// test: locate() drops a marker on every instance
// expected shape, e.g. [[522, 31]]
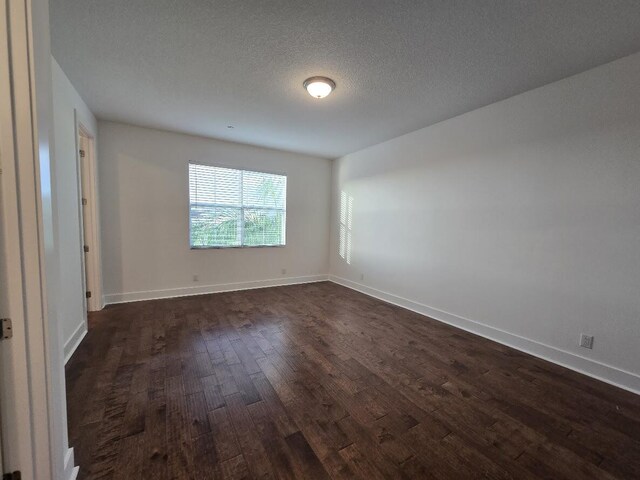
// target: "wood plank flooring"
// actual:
[[317, 381]]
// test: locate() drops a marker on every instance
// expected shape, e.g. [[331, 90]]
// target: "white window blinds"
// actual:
[[236, 208], [346, 224]]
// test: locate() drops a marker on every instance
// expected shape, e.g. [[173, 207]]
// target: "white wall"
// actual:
[[519, 221], [143, 183], [67, 107]]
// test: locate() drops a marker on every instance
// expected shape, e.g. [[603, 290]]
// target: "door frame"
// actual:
[[32, 392], [24, 400], [90, 232], [15, 392]]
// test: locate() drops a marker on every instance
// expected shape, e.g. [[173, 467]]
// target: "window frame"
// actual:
[[243, 169], [345, 226]]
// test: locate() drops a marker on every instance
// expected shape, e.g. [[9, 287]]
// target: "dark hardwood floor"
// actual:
[[317, 381]]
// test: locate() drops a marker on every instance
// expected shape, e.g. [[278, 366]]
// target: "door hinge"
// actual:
[[6, 329], [81, 153], [12, 476], [84, 201], [86, 249], [88, 294]]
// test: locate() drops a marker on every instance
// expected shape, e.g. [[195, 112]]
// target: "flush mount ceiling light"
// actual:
[[319, 87]]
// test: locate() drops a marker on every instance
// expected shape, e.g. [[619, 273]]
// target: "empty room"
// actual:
[[350, 239]]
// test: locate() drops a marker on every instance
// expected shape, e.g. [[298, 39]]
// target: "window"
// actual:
[[236, 208], [346, 215]]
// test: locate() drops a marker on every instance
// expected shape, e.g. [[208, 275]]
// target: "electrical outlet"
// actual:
[[284, 271], [195, 278], [586, 341]]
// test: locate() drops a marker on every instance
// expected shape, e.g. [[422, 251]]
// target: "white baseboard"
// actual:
[[100, 305], [204, 289], [72, 343], [606, 373], [70, 470], [73, 475]]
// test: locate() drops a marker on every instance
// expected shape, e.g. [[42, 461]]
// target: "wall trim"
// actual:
[[72, 343], [70, 471], [592, 368], [204, 289]]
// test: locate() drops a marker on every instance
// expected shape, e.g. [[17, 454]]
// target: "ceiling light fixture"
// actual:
[[319, 87]]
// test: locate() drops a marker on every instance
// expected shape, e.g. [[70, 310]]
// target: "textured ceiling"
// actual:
[[197, 66]]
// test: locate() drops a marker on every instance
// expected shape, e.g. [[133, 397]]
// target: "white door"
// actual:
[[25, 196], [85, 220], [88, 217], [14, 388]]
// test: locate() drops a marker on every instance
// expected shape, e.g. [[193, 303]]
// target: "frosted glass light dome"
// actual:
[[319, 87]]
